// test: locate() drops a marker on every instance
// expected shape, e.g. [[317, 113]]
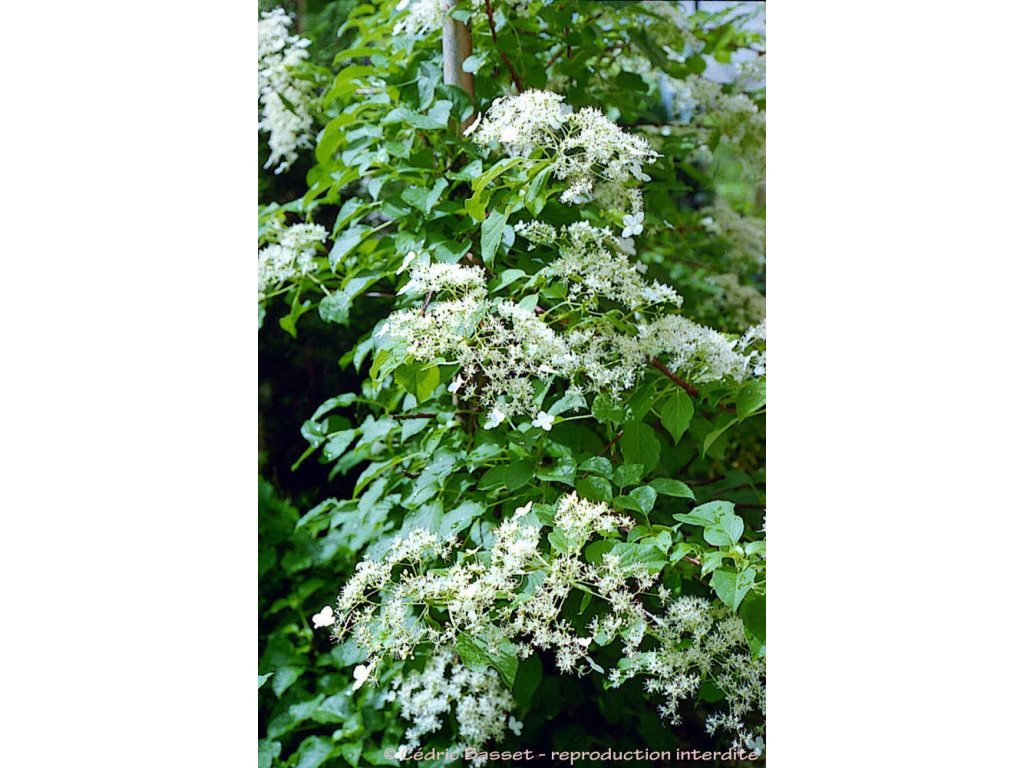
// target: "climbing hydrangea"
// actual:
[[511, 596]]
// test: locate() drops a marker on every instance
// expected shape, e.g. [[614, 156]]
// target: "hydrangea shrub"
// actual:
[[553, 460]]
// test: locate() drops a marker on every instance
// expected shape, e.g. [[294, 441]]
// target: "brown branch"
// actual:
[[504, 57], [709, 481], [554, 58], [661, 367], [688, 387], [414, 416], [472, 260], [612, 442]]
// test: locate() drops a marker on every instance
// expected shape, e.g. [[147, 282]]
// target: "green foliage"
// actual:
[[411, 446]]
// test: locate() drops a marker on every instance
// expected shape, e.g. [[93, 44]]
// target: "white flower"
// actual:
[[360, 673], [544, 421], [516, 726], [457, 382], [523, 511], [406, 262], [632, 224], [494, 419], [325, 618], [755, 745]]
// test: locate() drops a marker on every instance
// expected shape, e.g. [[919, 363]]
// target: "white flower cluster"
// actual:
[[745, 233], [594, 261], [482, 705], [698, 640], [759, 357], [292, 255], [426, 16], [502, 349], [741, 303], [289, 127], [751, 75], [734, 115], [584, 147], [703, 353], [427, 277], [514, 592], [505, 343]]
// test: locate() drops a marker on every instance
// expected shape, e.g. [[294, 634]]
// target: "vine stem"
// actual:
[[504, 56], [661, 367]]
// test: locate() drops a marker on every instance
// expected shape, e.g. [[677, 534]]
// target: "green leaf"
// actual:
[[378, 363], [595, 488], [721, 426], [626, 503], [559, 541], [731, 586], [726, 531], [608, 409], [628, 474], [640, 445], [527, 679], [468, 173], [492, 478], [435, 119], [751, 398], [345, 244], [418, 381], [562, 471], [753, 613], [264, 678], [412, 427], [597, 464], [284, 678], [473, 63], [351, 752], [314, 751], [490, 235], [335, 307], [707, 514], [460, 518], [676, 414], [597, 549], [631, 554], [476, 206], [518, 473], [645, 496], [489, 649], [670, 487], [352, 207], [422, 198], [507, 277], [269, 751]]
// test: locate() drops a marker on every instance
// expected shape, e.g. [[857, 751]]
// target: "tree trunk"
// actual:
[[456, 46]]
